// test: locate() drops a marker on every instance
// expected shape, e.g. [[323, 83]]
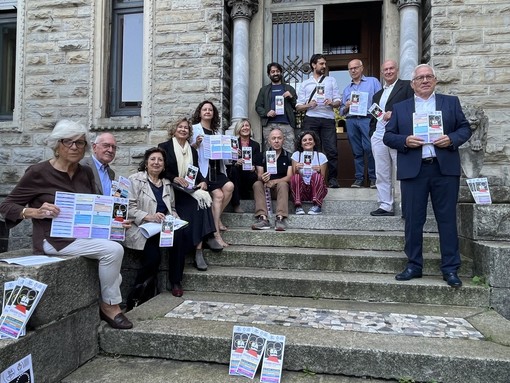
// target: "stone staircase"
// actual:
[[328, 285]]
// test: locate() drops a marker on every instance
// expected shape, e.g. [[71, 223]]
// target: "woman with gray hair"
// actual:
[[34, 196]]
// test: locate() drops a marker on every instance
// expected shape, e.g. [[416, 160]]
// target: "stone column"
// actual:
[[242, 12], [409, 33]]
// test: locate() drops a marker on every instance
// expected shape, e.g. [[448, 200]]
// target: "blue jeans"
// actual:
[[357, 131]]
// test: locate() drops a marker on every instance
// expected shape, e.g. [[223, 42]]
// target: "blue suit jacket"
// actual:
[[400, 126]]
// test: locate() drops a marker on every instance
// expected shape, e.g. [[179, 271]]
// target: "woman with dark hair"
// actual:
[[206, 121], [151, 199], [192, 206], [242, 179], [308, 170], [34, 198]]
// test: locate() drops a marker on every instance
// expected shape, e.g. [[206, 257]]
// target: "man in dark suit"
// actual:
[[104, 149], [429, 169], [394, 91]]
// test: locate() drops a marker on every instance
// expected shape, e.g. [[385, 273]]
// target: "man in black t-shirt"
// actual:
[[277, 184]]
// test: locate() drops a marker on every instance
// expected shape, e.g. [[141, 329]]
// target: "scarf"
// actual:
[[184, 157]]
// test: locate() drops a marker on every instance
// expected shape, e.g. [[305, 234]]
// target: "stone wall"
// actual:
[[62, 65], [467, 41]]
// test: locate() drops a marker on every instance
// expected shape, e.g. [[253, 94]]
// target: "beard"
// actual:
[[276, 78], [320, 71]]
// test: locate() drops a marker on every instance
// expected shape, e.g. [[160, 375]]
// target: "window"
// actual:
[[125, 90], [293, 40], [7, 63]]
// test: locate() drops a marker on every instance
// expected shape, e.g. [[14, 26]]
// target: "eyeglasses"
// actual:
[[68, 143], [420, 79], [108, 146], [355, 67]]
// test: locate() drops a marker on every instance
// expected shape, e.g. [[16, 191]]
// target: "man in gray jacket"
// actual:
[[276, 105], [104, 149]]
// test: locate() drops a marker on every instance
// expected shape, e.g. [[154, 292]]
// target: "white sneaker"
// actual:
[[299, 210], [315, 210]]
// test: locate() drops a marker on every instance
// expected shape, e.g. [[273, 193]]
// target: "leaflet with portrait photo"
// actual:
[[252, 353], [278, 105], [359, 103], [376, 111], [271, 167], [191, 175], [479, 188], [272, 363], [240, 335], [247, 158], [307, 163]]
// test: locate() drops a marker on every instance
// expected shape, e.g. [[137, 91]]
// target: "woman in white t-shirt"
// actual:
[[308, 170]]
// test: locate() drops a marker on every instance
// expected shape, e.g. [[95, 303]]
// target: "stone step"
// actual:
[[385, 341], [128, 369], [327, 239], [359, 261], [370, 287], [330, 222]]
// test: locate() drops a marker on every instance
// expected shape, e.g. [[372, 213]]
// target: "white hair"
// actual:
[[413, 75], [67, 129]]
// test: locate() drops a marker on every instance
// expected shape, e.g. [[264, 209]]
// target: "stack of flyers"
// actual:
[[273, 359], [376, 111], [11, 289], [191, 175], [479, 188], [19, 372], [247, 158], [271, 161], [19, 306], [278, 105], [307, 163], [252, 353]]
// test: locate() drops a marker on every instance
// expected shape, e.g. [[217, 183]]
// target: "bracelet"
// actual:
[[23, 213]]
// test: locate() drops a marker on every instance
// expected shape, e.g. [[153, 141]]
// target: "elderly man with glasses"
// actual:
[[358, 124], [428, 164], [104, 148]]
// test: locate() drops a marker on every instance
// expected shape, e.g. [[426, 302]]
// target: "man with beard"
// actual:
[[271, 116], [317, 97], [358, 125], [104, 148]]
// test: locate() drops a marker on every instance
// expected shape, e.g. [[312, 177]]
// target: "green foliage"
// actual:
[[308, 372], [479, 281], [406, 379]]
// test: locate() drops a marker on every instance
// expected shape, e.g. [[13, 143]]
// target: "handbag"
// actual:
[[300, 115]]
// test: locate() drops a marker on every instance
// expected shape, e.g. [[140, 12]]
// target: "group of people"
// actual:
[[161, 187]]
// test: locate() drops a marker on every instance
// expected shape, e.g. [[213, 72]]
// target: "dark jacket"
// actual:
[[400, 126], [401, 91], [263, 104]]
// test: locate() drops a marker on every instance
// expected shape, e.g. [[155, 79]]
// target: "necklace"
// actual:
[[156, 183]]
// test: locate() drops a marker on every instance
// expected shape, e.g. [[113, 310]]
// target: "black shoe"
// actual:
[[381, 213], [452, 279], [333, 183], [407, 275]]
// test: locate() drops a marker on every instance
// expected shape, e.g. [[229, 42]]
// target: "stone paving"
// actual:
[[341, 320]]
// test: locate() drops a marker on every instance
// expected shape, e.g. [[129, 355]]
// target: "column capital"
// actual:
[[405, 3], [243, 8]]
